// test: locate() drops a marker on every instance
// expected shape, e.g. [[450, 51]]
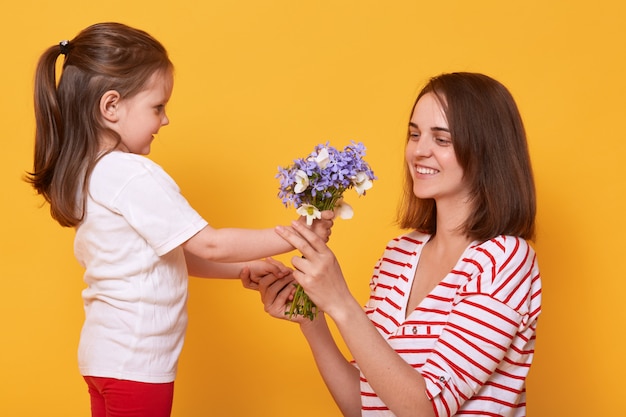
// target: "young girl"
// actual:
[[450, 324], [136, 235]]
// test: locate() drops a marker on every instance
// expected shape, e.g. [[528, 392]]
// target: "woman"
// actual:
[[450, 324]]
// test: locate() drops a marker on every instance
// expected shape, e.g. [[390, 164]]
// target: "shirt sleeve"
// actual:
[[150, 201], [476, 339], [488, 314]]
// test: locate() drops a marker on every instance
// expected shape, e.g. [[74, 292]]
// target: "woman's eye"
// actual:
[[443, 141]]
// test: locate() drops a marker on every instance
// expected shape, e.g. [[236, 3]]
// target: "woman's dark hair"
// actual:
[[490, 145], [102, 57]]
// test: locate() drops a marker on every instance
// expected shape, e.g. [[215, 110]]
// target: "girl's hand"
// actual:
[[323, 226], [317, 270], [254, 271]]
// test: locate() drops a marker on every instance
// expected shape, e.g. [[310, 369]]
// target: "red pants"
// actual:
[[118, 398]]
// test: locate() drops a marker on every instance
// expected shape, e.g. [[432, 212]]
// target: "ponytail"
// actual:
[[49, 128]]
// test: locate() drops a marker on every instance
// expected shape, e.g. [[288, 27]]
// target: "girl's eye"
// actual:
[[414, 135], [443, 141]]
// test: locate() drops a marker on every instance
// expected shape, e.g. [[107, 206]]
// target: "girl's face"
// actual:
[[430, 155], [141, 116]]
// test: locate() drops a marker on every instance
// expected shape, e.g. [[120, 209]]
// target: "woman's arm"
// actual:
[[397, 384], [340, 377]]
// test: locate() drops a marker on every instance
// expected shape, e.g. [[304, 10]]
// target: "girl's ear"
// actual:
[[109, 105]]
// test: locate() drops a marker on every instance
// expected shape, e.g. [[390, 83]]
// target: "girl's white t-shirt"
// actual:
[[130, 246]]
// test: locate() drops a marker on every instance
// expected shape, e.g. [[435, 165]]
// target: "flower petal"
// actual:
[[362, 183], [302, 181], [323, 158], [344, 210], [310, 211]]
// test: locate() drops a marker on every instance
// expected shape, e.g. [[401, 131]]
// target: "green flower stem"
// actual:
[[302, 304]]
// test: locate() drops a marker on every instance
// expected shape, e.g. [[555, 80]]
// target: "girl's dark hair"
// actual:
[[102, 57], [490, 145]]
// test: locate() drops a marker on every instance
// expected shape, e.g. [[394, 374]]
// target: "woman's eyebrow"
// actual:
[[434, 129]]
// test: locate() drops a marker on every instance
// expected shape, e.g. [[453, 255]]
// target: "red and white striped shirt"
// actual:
[[472, 338]]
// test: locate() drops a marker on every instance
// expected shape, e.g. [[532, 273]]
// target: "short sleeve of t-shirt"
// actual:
[[147, 197]]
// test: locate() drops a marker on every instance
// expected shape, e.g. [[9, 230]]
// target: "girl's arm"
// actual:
[[397, 384], [240, 245], [202, 268], [340, 377], [235, 245]]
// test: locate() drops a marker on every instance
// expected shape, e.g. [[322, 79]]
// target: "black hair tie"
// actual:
[[64, 46]]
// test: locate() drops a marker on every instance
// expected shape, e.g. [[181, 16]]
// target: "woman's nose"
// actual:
[[421, 147]]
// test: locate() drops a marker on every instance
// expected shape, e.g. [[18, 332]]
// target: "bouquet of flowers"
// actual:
[[317, 183]]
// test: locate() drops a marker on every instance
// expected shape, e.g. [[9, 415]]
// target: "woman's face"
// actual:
[[430, 155]]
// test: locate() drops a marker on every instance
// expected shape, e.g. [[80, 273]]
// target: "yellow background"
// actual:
[[258, 84]]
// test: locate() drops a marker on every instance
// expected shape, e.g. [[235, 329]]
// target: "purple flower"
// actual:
[[321, 178], [317, 183]]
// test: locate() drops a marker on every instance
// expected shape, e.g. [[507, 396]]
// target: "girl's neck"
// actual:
[[109, 143]]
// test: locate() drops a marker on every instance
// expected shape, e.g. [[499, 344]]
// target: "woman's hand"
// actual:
[[317, 270], [276, 295], [276, 290]]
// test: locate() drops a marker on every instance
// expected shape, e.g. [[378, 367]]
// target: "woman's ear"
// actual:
[[109, 103]]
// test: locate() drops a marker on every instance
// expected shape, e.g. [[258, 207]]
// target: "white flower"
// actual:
[[310, 211], [362, 183], [343, 210], [322, 159], [302, 181]]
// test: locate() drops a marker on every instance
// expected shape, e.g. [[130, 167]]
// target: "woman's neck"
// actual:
[[450, 226]]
